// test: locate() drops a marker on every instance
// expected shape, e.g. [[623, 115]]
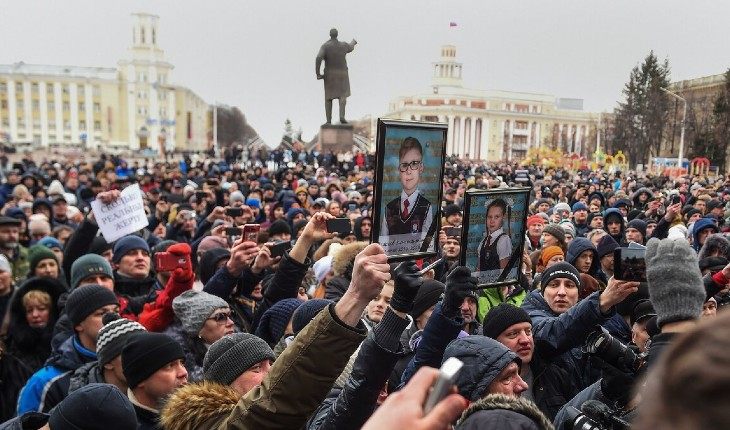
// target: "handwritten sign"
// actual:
[[121, 217]]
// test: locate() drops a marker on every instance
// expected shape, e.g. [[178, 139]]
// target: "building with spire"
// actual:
[[493, 124], [132, 107]]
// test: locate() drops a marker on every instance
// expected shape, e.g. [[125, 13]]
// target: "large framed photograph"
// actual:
[[408, 184], [493, 234]]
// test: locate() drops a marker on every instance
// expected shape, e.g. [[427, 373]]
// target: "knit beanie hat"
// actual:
[[278, 227], [638, 224], [127, 244], [234, 354], [82, 302], [145, 353], [548, 253], [675, 283], [94, 407], [212, 242], [274, 321], [38, 253], [113, 335], [606, 245], [322, 267], [306, 313], [501, 317], [451, 209], [88, 265], [579, 206], [428, 295], [568, 228], [535, 219], [51, 242], [560, 270], [562, 206], [555, 230], [192, 308], [99, 245]]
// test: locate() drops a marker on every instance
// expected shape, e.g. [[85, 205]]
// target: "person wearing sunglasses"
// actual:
[[408, 217], [204, 318]]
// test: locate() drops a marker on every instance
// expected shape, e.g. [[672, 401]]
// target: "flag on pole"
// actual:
[[452, 24]]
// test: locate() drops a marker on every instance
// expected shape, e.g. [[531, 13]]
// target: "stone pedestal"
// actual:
[[335, 137]]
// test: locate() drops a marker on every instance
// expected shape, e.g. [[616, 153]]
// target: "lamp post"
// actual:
[[684, 120]]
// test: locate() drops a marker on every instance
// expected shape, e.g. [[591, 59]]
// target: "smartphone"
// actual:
[[441, 388], [200, 196], [341, 226], [279, 248], [233, 231], [167, 262], [250, 232], [629, 264], [234, 212], [676, 199]]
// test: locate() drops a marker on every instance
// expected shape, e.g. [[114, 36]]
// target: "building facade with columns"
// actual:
[[131, 107], [496, 125]]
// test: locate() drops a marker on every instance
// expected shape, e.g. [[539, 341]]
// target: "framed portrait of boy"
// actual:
[[409, 174], [493, 234]]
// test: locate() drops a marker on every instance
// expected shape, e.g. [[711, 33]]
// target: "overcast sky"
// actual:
[[259, 55]]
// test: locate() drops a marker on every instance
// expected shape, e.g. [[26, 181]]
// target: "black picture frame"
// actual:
[[517, 212], [429, 245]]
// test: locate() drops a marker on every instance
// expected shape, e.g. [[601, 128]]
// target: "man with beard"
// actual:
[[9, 246], [469, 307]]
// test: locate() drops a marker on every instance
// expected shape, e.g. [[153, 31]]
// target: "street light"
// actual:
[[684, 120]]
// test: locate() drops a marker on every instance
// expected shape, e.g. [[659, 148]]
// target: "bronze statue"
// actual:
[[336, 79]]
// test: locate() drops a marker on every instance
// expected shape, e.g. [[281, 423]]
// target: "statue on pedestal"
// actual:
[[335, 76]]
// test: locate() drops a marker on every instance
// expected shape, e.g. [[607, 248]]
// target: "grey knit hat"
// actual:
[[113, 335], [194, 307], [555, 230], [232, 355], [675, 283]]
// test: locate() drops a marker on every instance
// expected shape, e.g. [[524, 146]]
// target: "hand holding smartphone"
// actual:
[[629, 264], [167, 262], [341, 226], [250, 232]]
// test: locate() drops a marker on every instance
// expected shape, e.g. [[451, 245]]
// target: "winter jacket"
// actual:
[[77, 245], [715, 244], [551, 387], [157, 315], [558, 337], [336, 287], [200, 405], [236, 291], [89, 373], [27, 421], [19, 264], [498, 411], [577, 247], [296, 385], [350, 406], [48, 386], [14, 373], [437, 334], [136, 293], [193, 348], [491, 297]]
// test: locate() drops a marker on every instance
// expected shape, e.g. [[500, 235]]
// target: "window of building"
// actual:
[[36, 105], [520, 140], [64, 89], [34, 87], [49, 89], [95, 91], [97, 107], [3, 87], [97, 125], [19, 104], [18, 87], [82, 107], [21, 122], [51, 124], [6, 122], [66, 106], [67, 125], [3, 104], [141, 35], [82, 125], [154, 36], [51, 106], [81, 90], [522, 108], [520, 125]]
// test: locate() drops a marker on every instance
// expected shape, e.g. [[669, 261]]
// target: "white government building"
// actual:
[[495, 125], [131, 107]]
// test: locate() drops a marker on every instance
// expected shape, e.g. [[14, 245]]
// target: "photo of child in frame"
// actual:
[[496, 247]]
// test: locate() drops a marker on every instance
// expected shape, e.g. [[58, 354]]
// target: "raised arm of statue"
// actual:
[[352, 45]]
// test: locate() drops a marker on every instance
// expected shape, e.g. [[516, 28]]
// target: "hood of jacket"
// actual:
[[89, 373], [357, 228], [198, 405], [70, 355], [638, 193], [498, 410], [700, 225], [20, 334], [484, 358], [576, 247], [209, 261], [608, 212], [715, 243]]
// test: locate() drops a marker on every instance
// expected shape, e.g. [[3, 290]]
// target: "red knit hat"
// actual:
[[535, 219]]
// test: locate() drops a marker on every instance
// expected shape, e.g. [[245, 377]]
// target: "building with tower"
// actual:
[[132, 107], [496, 125]]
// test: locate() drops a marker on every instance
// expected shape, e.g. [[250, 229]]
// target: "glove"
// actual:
[[616, 384], [459, 284], [183, 274], [407, 283]]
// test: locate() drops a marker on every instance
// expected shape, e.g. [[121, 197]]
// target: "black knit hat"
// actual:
[[560, 270], [234, 354], [638, 224], [428, 295], [306, 313], [94, 407], [278, 227], [606, 245], [146, 353], [451, 209], [84, 301], [99, 245], [501, 317]]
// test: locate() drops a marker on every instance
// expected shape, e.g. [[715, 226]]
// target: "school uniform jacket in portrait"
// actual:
[[408, 222], [493, 248]]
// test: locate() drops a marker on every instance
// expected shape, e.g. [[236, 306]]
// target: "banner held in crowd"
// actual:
[[123, 216]]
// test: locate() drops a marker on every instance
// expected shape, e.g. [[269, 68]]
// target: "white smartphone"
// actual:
[[441, 388]]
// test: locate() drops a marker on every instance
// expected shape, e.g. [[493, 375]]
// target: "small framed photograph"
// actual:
[[493, 234], [408, 185]]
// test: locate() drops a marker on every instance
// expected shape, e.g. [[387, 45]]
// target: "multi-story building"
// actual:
[[496, 125], [132, 107]]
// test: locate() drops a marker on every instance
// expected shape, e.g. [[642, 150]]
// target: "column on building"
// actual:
[[450, 135], [478, 124], [131, 108], [154, 108], [473, 138], [171, 135], [12, 111], [58, 107], [484, 142], [89, 116], [74, 99], [461, 146], [43, 101], [28, 110], [511, 140]]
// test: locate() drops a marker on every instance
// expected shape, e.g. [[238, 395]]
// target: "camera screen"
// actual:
[[632, 266]]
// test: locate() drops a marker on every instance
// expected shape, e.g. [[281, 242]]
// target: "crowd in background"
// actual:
[[323, 332]]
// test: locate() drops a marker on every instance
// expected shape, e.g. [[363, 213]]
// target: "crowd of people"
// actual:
[[299, 327]]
